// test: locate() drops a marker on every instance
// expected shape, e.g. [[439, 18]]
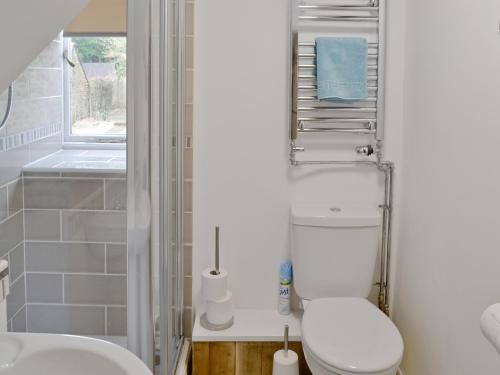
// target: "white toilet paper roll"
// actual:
[[286, 363], [213, 287], [221, 311]]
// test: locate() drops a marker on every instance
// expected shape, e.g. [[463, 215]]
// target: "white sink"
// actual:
[[34, 353]]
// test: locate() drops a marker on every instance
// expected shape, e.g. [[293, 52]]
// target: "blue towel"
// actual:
[[342, 68]]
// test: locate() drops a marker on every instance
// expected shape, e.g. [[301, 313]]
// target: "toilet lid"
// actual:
[[351, 334]]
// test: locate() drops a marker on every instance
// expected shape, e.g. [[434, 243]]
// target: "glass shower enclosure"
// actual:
[[93, 234], [155, 175]]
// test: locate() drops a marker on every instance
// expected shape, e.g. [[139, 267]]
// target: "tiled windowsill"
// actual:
[[81, 161]]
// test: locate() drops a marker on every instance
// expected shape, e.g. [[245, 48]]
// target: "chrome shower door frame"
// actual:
[[154, 162], [140, 320]]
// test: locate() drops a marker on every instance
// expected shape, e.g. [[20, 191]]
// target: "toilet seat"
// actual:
[[351, 336]]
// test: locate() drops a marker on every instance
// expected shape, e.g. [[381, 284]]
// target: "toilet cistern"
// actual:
[[334, 253]]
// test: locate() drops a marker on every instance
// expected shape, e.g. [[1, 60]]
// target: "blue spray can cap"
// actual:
[[286, 271]]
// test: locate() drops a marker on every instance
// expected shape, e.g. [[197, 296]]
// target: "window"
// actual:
[[95, 89]]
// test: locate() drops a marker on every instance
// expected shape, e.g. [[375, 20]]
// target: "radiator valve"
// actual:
[[364, 150]]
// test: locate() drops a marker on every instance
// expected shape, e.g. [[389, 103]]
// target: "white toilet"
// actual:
[[334, 256]]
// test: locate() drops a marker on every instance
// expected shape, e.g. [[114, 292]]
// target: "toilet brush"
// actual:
[[286, 361]]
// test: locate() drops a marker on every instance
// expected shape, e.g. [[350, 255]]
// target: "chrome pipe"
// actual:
[[339, 7], [336, 162], [338, 18], [313, 76], [314, 87], [313, 44], [313, 66], [385, 267], [336, 130], [315, 98], [339, 109], [366, 121], [313, 55]]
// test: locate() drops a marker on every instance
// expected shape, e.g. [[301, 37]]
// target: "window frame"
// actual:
[[69, 139]]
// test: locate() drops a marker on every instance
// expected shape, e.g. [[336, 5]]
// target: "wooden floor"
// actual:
[[240, 358]]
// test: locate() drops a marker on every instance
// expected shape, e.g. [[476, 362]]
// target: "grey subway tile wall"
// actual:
[[42, 225], [95, 289], [16, 262], [16, 300], [50, 193], [4, 207], [15, 196], [12, 162], [61, 257], [94, 226], [67, 319], [12, 249], [19, 321], [33, 131], [116, 194], [76, 253], [116, 259], [116, 321], [11, 233], [44, 288], [64, 234]]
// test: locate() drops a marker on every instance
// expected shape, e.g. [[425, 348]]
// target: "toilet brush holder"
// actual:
[[286, 361]]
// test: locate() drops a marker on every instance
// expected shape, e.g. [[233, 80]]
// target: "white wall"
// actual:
[[449, 260], [240, 148], [242, 178], [26, 28]]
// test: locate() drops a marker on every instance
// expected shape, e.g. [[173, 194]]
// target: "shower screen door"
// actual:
[[155, 193]]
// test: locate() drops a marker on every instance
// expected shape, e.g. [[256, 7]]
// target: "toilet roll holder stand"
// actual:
[[203, 319], [215, 327]]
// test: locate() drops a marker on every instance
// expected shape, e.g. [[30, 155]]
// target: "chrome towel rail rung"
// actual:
[[339, 109], [315, 99], [315, 87], [313, 76], [338, 18], [368, 126], [336, 130], [369, 123], [313, 66], [338, 7], [313, 44], [313, 55]]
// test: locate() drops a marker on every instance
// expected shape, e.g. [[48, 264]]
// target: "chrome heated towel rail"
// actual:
[[308, 20]]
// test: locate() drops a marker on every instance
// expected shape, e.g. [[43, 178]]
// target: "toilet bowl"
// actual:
[[334, 254], [347, 336]]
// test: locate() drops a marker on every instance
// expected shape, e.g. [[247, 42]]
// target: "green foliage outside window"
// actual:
[[103, 50]]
